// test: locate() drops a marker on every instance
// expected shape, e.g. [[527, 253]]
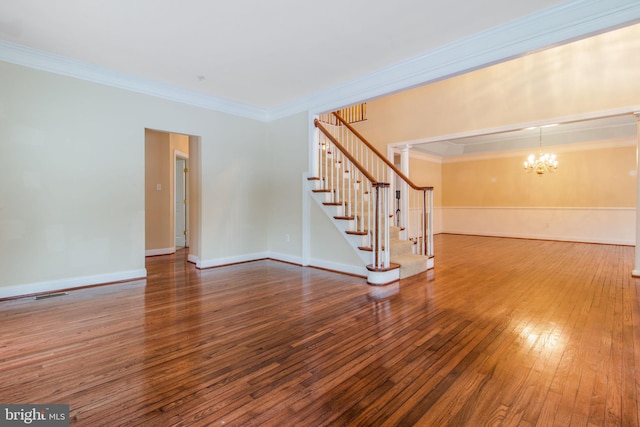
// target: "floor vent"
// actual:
[[58, 294]]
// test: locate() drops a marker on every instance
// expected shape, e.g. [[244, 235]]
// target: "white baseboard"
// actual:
[[192, 259], [74, 282], [341, 268], [555, 237], [326, 265], [286, 258], [163, 251], [218, 262]]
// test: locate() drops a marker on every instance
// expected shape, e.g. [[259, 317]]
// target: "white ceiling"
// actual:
[[271, 54]]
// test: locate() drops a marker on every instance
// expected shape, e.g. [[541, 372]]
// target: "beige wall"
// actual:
[[323, 245], [288, 140], [72, 203]]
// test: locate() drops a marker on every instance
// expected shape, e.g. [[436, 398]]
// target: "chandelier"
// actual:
[[543, 163]]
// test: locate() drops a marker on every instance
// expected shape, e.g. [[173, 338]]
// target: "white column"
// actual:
[[404, 192], [636, 269]]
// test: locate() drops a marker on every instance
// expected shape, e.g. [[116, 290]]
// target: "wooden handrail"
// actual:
[[352, 159], [379, 154]]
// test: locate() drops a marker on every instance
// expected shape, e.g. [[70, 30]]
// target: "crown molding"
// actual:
[[567, 22], [555, 149], [504, 129], [560, 24], [523, 152], [44, 61]]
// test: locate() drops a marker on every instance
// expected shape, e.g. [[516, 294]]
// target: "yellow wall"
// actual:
[[428, 174], [157, 201], [594, 74], [592, 196], [179, 142], [587, 178]]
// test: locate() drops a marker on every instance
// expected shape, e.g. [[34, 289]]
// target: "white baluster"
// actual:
[[336, 176], [327, 157]]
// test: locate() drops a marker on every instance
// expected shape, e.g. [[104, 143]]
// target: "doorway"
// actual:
[[171, 193]]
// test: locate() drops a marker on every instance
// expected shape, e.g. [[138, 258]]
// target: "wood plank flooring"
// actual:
[[502, 332]]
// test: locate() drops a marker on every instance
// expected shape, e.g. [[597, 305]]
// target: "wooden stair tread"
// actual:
[[401, 252], [392, 266]]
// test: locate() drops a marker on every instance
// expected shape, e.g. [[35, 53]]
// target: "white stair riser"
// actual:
[[398, 248]]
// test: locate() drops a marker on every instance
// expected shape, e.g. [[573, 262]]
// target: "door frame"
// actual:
[[178, 155]]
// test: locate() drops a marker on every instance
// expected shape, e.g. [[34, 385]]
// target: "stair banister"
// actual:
[[352, 159], [381, 156], [379, 241], [426, 238]]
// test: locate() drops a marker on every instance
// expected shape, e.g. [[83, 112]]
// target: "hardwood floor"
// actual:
[[503, 332]]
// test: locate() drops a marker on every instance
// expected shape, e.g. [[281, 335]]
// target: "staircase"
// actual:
[[352, 185]]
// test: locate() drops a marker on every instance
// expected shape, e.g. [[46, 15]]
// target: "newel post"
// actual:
[[425, 223], [376, 229], [636, 268], [381, 226]]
